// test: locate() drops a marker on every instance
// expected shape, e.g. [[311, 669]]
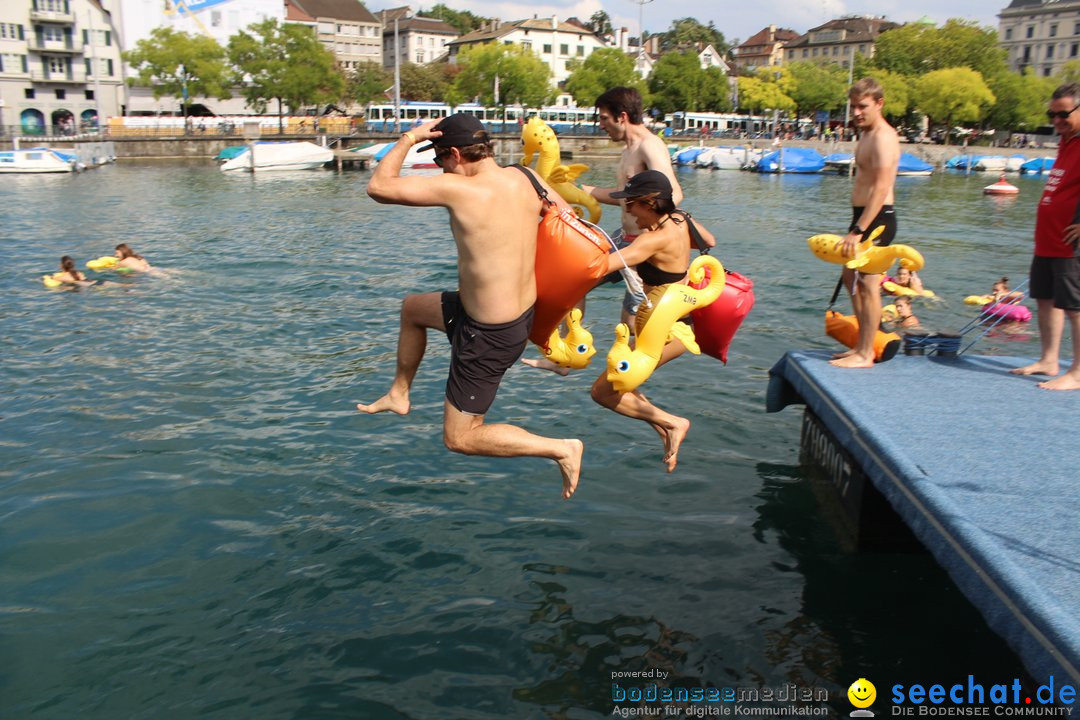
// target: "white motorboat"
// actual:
[[280, 156], [35, 160]]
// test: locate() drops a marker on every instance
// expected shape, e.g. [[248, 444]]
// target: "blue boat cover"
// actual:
[[910, 163], [689, 155], [1037, 165], [796, 160], [984, 474]]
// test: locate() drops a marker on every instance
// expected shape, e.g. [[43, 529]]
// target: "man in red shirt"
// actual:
[[1055, 269]]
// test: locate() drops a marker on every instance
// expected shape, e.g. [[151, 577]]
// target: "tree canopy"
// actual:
[[603, 69], [678, 82], [916, 49], [286, 63], [368, 83], [523, 78], [953, 95], [600, 24], [462, 20], [757, 94], [169, 61], [687, 32]]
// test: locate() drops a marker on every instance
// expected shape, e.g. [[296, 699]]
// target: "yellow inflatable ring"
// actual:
[[628, 369], [978, 299], [51, 281], [106, 262], [576, 349]]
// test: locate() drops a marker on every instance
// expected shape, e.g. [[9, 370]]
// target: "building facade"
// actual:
[[60, 69], [1040, 35], [346, 28], [556, 43], [419, 40], [764, 48], [838, 40]]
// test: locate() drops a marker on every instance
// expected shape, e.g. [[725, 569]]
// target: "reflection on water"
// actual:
[[196, 522]]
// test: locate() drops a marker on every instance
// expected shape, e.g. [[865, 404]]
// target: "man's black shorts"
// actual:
[[479, 354], [886, 217], [1056, 278]]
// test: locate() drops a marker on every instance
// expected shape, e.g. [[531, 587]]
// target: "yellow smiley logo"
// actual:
[[862, 693]]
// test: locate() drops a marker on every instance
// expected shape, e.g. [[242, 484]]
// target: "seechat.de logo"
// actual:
[[862, 694]]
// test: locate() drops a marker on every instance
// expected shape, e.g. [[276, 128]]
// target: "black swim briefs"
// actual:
[[886, 217], [479, 354]]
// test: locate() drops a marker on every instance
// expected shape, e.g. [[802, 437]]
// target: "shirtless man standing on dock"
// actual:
[[493, 215], [877, 155]]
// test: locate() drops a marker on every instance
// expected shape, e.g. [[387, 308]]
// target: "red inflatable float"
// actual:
[[716, 323]]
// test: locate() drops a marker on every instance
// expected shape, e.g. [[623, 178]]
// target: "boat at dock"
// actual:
[[300, 155], [37, 160]]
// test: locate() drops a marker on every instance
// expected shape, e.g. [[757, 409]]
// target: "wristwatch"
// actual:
[[857, 230]]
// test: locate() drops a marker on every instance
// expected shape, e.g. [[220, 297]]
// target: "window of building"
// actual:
[[581, 51], [862, 48], [28, 93], [420, 57], [59, 6], [50, 33], [1046, 72], [564, 49], [12, 63], [56, 66], [814, 52], [61, 94], [89, 68], [89, 94], [109, 67], [526, 44], [1076, 29], [1030, 31], [1027, 53], [836, 50], [547, 49], [1074, 49], [1053, 30], [11, 31], [508, 42], [1008, 33], [806, 52], [847, 49], [1049, 52], [215, 18]]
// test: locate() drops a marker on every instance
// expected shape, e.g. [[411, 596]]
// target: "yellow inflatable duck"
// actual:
[[869, 258], [628, 369], [576, 349], [538, 137]]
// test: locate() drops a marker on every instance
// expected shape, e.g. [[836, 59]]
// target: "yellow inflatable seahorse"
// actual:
[[537, 136], [105, 262], [892, 288], [627, 369], [576, 349], [869, 258]]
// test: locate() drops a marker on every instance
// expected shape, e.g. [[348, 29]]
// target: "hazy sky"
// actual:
[[735, 18]]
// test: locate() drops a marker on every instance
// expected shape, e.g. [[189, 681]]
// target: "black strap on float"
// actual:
[[695, 234], [540, 191]]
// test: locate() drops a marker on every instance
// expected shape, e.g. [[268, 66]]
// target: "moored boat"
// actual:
[[300, 155], [36, 160]]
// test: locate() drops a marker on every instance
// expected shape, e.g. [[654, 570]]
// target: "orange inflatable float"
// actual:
[[845, 328], [716, 323]]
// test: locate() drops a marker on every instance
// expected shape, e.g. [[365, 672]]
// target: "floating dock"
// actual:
[[981, 465]]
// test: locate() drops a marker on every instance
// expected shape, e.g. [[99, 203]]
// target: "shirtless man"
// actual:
[[877, 155], [493, 216]]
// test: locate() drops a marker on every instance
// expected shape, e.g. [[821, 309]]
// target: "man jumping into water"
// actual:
[[877, 155], [493, 216]]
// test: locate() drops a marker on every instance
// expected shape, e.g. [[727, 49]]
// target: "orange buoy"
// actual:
[[845, 328], [1001, 188]]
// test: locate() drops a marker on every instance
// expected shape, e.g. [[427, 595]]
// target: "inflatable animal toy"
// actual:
[[538, 137], [629, 368], [105, 262], [869, 258], [576, 349], [889, 286]]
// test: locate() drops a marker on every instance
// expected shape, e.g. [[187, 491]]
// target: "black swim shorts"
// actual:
[[1058, 279], [479, 354], [886, 217]]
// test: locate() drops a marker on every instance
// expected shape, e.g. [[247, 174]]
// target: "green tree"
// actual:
[[1020, 100], [953, 95], [1069, 73], [170, 62], [687, 32], [756, 94], [815, 86], [678, 82], [603, 69], [462, 20], [423, 82], [897, 89], [286, 63], [523, 78], [917, 48], [368, 83], [600, 24]]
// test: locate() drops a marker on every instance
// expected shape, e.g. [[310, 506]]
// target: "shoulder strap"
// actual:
[[695, 236], [540, 191]]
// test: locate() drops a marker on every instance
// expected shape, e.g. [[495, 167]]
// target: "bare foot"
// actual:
[[1068, 381], [1037, 368], [674, 439], [846, 353], [570, 466], [545, 364], [386, 403], [853, 361]]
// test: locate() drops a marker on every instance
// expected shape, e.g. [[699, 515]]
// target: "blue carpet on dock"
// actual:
[[983, 466]]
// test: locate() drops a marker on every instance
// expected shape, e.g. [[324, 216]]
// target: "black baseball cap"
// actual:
[[647, 182], [458, 130]]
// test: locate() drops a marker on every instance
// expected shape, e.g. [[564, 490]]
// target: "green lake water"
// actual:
[[194, 521]]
